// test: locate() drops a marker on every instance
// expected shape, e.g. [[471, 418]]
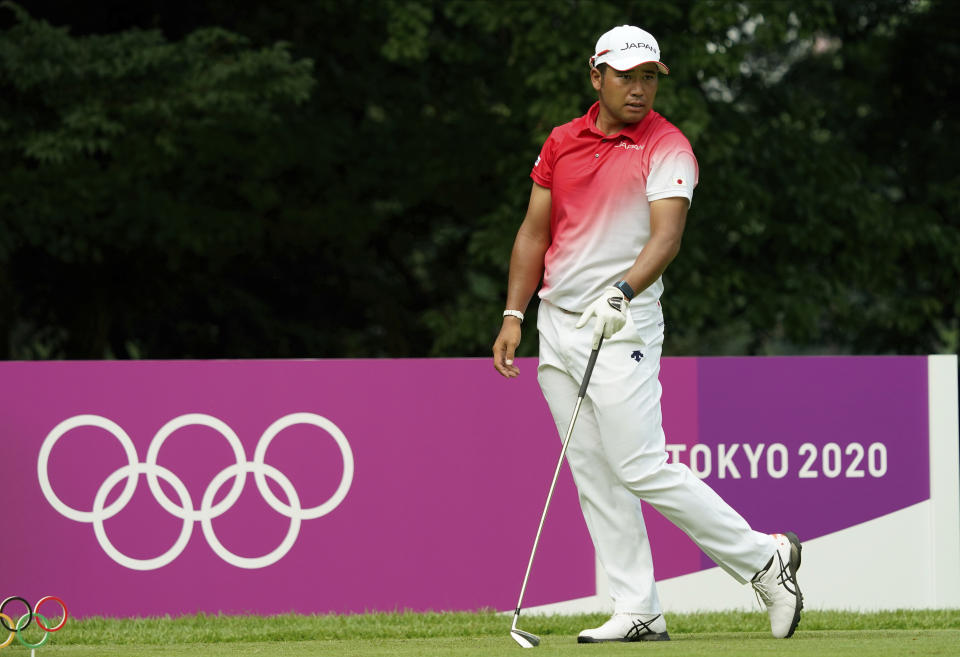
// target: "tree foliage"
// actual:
[[331, 179]]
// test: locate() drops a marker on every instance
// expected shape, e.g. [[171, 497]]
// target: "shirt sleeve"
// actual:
[[673, 169], [542, 172]]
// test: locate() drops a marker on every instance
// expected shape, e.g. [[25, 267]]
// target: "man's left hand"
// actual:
[[611, 313]]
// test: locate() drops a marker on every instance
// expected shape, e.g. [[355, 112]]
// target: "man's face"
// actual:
[[626, 96]]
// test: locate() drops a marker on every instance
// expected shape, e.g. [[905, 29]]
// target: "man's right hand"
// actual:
[[506, 346]]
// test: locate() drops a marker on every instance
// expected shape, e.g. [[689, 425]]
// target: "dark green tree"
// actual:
[[139, 188], [188, 192]]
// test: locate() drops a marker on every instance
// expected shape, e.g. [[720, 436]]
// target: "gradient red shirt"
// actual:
[[601, 187]]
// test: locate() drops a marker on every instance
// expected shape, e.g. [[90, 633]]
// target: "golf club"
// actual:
[[526, 639]]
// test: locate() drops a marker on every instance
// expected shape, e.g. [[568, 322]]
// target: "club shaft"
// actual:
[[543, 516], [556, 473]]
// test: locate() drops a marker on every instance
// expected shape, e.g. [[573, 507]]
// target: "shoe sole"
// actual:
[[795, 549], [651, 636]]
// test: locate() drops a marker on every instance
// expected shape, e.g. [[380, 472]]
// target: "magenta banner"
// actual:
[[169, 487], [448, 468], [811, 445]]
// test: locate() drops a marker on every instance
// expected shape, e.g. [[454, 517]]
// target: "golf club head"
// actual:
[[525, 639]]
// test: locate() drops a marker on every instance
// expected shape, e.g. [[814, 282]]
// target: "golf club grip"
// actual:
[[589, 371]]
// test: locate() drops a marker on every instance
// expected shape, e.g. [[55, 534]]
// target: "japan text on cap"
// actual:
[[626, 47]]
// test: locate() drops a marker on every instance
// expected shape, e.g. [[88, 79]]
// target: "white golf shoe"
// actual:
[[628, 627], [776, 585]]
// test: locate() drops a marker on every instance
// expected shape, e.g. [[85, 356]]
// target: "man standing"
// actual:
[[609, 202]]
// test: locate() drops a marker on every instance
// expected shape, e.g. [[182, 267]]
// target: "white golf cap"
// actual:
[[626, 47]]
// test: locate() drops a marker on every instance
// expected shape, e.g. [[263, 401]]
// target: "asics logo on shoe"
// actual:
[[641, 628], [776, 586]]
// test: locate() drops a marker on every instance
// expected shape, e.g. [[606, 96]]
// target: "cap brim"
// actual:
[[630, 63]]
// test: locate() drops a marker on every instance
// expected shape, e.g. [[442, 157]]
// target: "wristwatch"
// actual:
[[624, 287]]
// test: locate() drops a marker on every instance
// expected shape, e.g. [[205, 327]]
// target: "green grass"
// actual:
[[487, 633]]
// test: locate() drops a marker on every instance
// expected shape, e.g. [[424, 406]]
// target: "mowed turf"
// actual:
[[487, 633]]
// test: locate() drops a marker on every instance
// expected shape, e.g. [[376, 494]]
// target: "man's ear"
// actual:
[[596, 78]]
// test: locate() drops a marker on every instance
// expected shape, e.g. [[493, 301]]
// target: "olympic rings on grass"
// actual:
[[3, 605], [12, 632], [15, 628], [36, 612], [29, 615]]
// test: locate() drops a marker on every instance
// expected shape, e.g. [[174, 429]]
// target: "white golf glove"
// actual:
[[611, 313]]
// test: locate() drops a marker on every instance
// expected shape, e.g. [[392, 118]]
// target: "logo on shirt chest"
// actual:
[[629, 147]]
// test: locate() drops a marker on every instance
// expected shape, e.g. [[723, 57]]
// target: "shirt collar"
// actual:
[[631, 131]]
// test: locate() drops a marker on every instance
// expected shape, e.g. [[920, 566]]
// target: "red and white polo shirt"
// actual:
[[601, 187]]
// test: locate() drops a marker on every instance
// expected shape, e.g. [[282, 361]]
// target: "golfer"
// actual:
[[609, 202]]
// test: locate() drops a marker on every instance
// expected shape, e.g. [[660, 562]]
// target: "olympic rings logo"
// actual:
[[32, 613], [208, 511]]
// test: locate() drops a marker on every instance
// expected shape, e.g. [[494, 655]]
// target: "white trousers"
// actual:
[[617, 455]]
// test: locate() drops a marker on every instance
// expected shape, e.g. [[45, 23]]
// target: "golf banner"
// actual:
[[315, 486]]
